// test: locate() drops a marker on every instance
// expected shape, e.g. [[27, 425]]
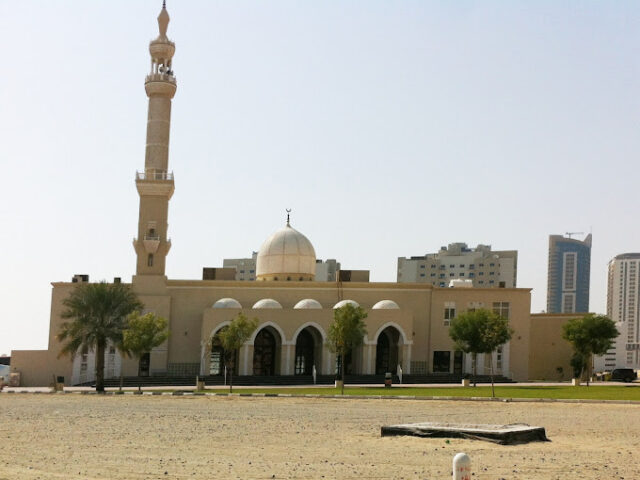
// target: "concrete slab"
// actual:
[[500, 434]]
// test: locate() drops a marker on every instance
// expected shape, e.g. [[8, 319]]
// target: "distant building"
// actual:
[[245, 267], [568, 274], [327, 270], [481, 265], [623, 298]]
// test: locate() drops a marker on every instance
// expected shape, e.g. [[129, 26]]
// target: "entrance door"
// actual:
[[304, 353], [264, 353], [143, 366], [457, 362]]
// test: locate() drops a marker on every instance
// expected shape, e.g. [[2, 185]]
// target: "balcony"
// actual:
[[153, 174], [151, 243], [161, 77]]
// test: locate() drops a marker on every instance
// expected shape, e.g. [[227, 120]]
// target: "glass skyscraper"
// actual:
[[569, 274]]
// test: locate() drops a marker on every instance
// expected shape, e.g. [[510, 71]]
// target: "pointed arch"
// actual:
[[397, 327], [262, 326], [219, 327], [309, 324]]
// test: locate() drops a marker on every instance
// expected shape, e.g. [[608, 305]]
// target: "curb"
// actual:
[[180, 393]]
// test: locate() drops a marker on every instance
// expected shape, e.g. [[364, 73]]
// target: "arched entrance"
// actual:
[[265, 352], [218, 360], [308, 351], [387, 351]]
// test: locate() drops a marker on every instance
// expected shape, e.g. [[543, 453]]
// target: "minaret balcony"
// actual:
[[161, 77], [160, 85], [151, 243], [155, 182], [154, 174]]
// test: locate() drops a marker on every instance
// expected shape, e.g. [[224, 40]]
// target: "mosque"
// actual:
[[407, 323]]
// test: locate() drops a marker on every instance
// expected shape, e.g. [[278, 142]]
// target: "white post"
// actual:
[[461, 467], [313, 373]]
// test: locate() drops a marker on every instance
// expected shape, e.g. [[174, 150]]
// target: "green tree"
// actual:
[[346, 332], [97, 314], [142, 334], [480, 331], [232, 337], [589, 335]]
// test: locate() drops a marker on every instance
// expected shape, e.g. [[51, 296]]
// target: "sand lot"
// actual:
[[127, 437]]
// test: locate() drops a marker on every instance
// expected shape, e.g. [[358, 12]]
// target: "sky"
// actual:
[[389, 128]]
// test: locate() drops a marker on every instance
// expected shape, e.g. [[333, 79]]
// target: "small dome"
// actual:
[[308, 303], [267, 303], [342, 303], [386, 305], [227, 303], [286, 255]]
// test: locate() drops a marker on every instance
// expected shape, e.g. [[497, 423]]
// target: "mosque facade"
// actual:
[[407, 323]]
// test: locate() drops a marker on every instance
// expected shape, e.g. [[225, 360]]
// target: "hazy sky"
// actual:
[[390, 128]]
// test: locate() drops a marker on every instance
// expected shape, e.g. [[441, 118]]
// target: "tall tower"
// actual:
[[155, 185], [623, 307], [568, 275]]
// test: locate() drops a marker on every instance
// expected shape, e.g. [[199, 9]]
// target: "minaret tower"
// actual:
[[155, 185]]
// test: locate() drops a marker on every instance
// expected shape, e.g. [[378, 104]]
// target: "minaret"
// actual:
[[155, 185]]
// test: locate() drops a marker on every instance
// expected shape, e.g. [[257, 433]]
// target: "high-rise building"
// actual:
[[481, 265], [568, 274], [623, 297]]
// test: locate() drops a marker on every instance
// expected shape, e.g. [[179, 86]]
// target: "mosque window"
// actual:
[[441, 362], [150, 260], [288, 279], [449, 312]]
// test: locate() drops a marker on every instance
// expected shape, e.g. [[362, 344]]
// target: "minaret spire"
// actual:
[[163, 21], [155, 185], [288, 212]]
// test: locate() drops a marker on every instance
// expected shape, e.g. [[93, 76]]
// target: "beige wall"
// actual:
[[37, 367], [188, 306], [548, 350], [519, 300]]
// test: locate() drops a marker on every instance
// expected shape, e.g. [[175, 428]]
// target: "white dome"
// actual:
[[286, 255], [267, 303], [227, 303], [308, 303], [342, 303], [386, 305]]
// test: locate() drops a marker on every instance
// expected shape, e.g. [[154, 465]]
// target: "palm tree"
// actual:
[[97, 314]]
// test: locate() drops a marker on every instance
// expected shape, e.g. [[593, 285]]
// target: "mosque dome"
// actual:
[[307, 304], [342, 303], [267, 303], [386, 305], [227, 303], [286, 255]]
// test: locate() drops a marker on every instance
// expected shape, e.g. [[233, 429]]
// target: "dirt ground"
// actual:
[[159, 437]]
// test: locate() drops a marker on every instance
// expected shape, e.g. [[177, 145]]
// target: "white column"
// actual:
[[369, 358], [406, 358], [202, 361], [286, 359], [468, 363], [480, 364], [506, 371], [329, 361], [244, 361]]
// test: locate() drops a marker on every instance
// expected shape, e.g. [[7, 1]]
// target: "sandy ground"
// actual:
[[144, 437]]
